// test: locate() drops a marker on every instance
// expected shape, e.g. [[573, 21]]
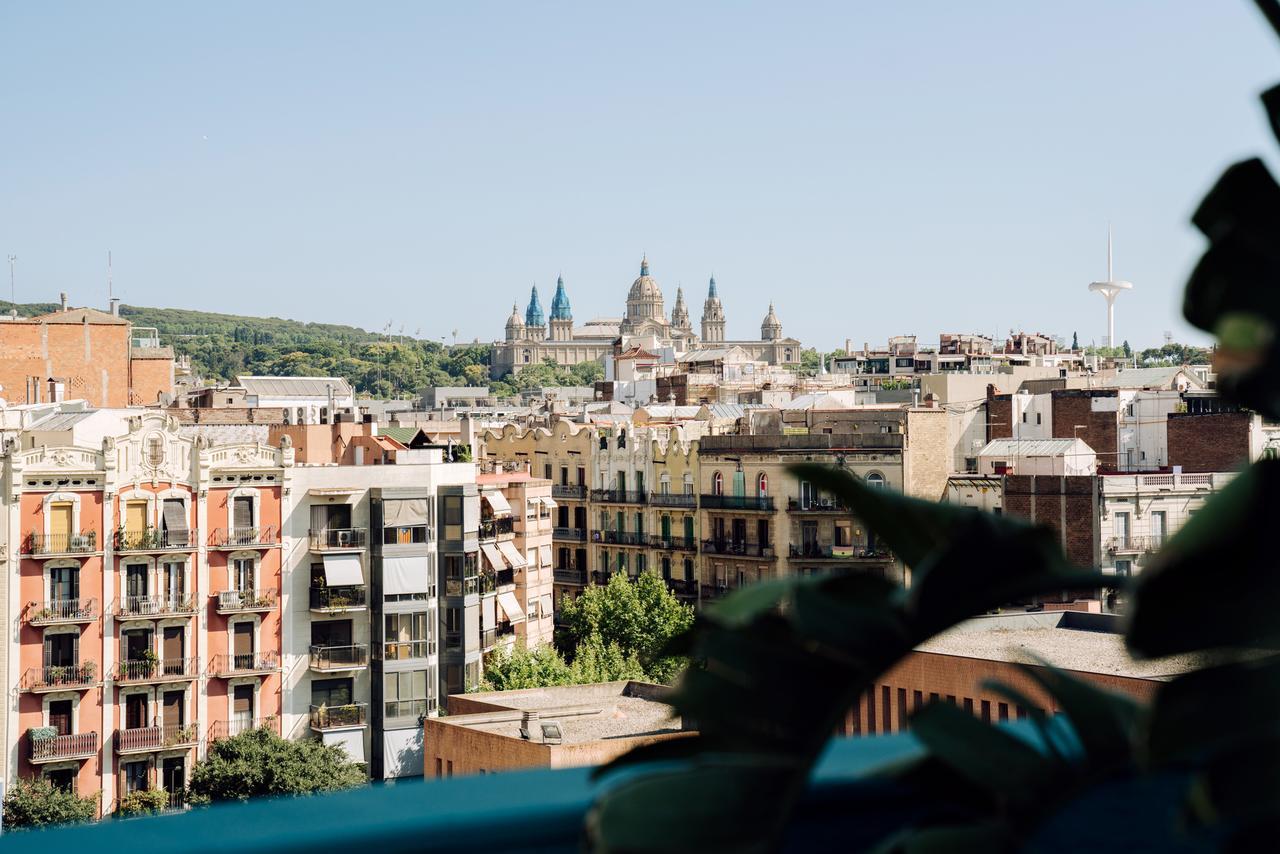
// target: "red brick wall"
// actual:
[[77, 354], [1101, 429], [1217, 442], [1067, 505], [923, 676], [999, 415], [149, 378]]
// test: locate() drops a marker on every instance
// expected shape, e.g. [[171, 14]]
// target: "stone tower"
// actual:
[[561, 315], [712, 317], [535, 323], [680, 315], [770, 327]]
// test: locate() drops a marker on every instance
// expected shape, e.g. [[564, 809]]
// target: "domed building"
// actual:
[[535, 338]]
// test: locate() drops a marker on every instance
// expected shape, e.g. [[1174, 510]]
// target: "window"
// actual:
[[1024, 417], [135, 777], [1037, 417], [405, 521], [406, 636], [762, 484], [62, 778], [64, 584], [1159, 527], [1124, 568], [242, 574], [330, 692], [405, 694], [717, 484], [242, 514], [452, 629], [155, 451], [875, 480], [242, 708], [1122, 530], [453, 517]]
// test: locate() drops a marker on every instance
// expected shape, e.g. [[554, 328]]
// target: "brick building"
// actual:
[[1219, 441], [83, 353], [956, 667]]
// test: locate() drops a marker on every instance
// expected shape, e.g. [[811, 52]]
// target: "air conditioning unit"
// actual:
[[344, 538]]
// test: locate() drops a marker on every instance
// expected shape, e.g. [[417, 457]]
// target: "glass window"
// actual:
[[453, 517], [331, 692], [405, 694], [875, 480], [406, 636]]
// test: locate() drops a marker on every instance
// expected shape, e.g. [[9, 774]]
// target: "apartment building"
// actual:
[[144, 585], [367, 603], [516, 520]]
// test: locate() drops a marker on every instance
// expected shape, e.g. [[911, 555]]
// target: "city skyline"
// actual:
[[908, 171]]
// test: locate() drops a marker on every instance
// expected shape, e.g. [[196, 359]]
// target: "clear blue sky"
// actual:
[[875, 168]]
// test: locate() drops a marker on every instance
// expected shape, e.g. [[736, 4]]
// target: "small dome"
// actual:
[[644, 287], [770, 327], [515, 323]]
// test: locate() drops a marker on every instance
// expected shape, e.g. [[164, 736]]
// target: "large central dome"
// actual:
[[644, 300]]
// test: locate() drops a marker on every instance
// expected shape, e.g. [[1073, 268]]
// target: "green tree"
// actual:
[[1126, 349], [509, 670], [637, 616], [259, 763], [597, 661], [39, 803]]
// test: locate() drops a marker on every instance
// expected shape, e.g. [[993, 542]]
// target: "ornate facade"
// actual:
[[534, 337]]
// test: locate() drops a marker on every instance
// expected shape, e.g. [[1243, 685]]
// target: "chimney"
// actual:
[[530, 727], [63, 297], [115, 306]]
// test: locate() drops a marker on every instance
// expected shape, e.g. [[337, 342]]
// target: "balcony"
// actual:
[[48, 545], [734, 548], [467, 586], [754, 503], [488, 639], [244, 601], [622, 538], [152, 671], [332, 659], [815, 505], [242, 538], [237, 726], [687, 544], [573, 535], [337, 600], [681, 587], [492, 529], [673, 499], [819, 551], [338, 539], [573, 492], [618, 496], [155, 540], [133, 607], [1134, 544], [55, 677], [571, 576], [62, 748], [57, 611], [149, 739], [339, 717], [230, 664], [406, 650]]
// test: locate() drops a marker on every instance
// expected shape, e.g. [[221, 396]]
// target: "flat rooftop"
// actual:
[[1088, 643], [585, 712]]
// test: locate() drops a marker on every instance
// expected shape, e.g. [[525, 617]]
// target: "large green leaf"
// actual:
[[985, 756], [1105, 722], [1224, 549]]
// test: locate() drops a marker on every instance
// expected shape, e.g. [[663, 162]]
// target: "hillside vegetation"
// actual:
[[223, 345]]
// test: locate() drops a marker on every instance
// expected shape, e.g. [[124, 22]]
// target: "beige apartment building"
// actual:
[[516, 518]]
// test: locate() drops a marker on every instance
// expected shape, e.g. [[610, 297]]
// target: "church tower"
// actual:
[[680, 315], [770, 327], [561, 314], [712, 317], [535, 323]]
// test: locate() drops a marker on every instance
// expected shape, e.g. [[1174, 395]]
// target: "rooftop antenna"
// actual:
[[13, 259], [110, 291], [1110, 289]]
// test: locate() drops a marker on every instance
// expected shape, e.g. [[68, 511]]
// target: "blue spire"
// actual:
[[644, 265], [711, 294], [533, 314], [560, 302]]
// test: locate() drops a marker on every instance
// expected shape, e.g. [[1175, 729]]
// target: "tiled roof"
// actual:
[[294, 386]]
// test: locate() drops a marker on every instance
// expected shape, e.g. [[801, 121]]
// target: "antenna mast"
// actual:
[[110, 292], [12, 291]]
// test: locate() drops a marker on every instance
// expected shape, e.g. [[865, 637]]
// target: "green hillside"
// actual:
[[223, 345]]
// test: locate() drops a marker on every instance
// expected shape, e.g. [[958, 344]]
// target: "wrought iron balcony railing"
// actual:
[[63, 611], [159, 605], [60, 544], [156, 540], [347, 657], [157, 670], [80, 745], [337, 539], [238, 601], [235, 663], [230, 538]]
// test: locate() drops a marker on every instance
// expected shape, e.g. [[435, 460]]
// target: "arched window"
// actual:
[[717, 484], [875, 480], [528, 356], [762, 484]]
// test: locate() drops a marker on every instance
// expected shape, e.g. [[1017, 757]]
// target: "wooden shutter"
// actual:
[[242, 701], [60, 716], [135, 517], [244, 639], [135, 711], [242, 516], [172, 649], [60, 519], [173, 710]]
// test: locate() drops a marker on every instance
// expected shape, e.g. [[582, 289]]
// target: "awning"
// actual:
[[512, 554], [494, 557], [544, 556], [544, 603], [404, 575], [488, 613], [175, 517], [343, 571], [498, 502], [350, 740], [549, 503], [507, 602], [405, 512]]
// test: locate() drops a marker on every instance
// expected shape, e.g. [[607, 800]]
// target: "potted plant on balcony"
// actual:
[[147, 663], [42, 733], [87, 670]]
